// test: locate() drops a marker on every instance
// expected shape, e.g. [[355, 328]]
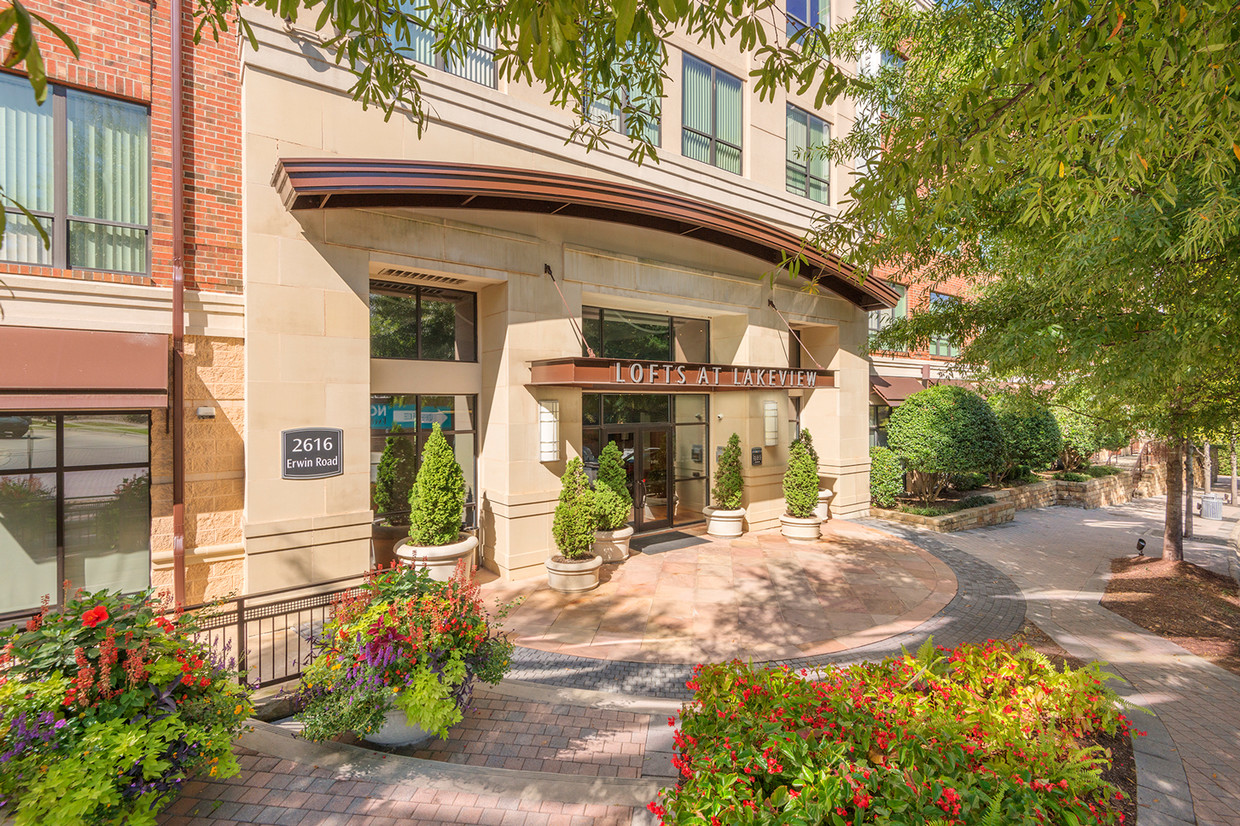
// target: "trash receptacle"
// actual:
[[1211, 506]]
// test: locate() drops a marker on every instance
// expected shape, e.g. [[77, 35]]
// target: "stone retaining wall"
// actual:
[[1036, 495], [996, 514]]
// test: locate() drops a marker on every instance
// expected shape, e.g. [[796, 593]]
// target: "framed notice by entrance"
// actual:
[[311, 453]]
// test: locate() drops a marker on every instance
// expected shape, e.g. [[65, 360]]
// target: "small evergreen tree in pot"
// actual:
[[573, 528], [395, 479], [801, 482], [611, 475], [437, 501], [728, 483]]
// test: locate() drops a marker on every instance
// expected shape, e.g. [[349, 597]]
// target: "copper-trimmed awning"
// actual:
[[628, 375], [327, 183], [895, 389], [47, 369]]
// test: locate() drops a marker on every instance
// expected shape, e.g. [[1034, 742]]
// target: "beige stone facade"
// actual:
[[308, 277]]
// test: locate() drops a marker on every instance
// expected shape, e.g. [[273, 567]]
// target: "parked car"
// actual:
[[13, 427]]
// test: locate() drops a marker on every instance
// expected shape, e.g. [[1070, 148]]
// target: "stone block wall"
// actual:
[[996, 514], [1037, 495]]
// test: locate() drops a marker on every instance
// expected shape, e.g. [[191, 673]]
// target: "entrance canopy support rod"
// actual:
[[572, 317], [770, 302]]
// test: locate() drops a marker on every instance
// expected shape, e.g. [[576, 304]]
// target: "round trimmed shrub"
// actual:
[[1084, 435], [940, 431], [437, 501], [573, 527], [801, 482], [611, 475], [395, 479], [1030, 433], [886, 477], [728, 483]]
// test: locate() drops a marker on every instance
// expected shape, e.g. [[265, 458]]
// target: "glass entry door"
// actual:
[[645, 451]]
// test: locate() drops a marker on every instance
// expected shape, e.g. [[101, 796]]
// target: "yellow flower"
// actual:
[[237, 710]]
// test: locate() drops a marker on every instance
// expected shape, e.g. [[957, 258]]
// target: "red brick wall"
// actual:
[[126, 53], [918, 297]]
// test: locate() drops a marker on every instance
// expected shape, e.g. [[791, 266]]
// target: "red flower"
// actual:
[[94, 616]]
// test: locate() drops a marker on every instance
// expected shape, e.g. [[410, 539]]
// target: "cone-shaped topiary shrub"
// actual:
[[438, 496], [805, 438], [728, 483], [611, 512], [801, 482], [886, 478], [395, 481], [573, 528], [611, 474]]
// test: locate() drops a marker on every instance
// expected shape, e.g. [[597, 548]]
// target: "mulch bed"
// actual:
[[1122, 773], [1191, 606]]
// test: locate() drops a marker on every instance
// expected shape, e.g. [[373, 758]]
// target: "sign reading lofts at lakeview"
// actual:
[[311, 453], [620, 374]]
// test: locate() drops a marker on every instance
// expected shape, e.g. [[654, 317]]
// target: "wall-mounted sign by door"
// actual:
[[311, 453]]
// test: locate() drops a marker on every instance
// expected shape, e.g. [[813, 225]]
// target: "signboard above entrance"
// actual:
[[622, 374]]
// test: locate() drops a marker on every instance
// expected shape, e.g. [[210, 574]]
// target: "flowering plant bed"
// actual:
[[106, 707], [406, 642], [978, 735]]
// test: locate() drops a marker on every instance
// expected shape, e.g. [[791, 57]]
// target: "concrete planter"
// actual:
[[573, 576], [439, 560], [383, 537], [396, 731], [822, 512], [725, 524], [795, 527], [613, 546]]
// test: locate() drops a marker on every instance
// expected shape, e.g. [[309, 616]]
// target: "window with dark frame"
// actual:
[[75, 504], [414, 321], [879, 319], [80, 163], [803, 14], [808, 173], [712, 122], [625, 334], [413, 416], [879, 414], [942, 346], [478, 64]]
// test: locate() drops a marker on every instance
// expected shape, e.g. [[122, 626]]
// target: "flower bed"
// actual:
[[982, 734], [406, 642], [106, 707]]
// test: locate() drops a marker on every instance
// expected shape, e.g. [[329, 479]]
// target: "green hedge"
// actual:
[[886, 478], [1030, 434]]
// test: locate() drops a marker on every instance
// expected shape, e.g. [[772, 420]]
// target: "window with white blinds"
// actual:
[[417, 44], [807, 174], [712, 115], [81, 164]]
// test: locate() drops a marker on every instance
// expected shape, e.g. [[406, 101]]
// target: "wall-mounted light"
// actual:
[[770, 421], [549, 430], [206, 412]]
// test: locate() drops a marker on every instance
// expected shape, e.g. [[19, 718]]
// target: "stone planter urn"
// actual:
[[725, 524], [383, 537], [613, 546], [822, 511], [573, 576], [439, 560], [795, 527], [396, 731]]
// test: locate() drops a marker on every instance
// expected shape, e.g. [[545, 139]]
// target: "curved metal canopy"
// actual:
[[341, 183]]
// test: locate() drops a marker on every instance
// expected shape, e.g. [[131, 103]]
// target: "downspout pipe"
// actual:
[[178, 313]]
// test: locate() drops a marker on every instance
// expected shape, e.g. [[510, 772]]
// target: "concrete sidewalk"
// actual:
[[1060, 559]]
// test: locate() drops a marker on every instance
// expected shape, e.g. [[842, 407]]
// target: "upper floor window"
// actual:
[[409, 321], [477, 65], [623, 334], [804, 14], [712, 115], [879, 319], [808, 173], [614, 118], [941, 345], [81, 164]]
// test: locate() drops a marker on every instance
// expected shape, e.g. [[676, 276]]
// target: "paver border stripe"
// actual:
[[357, 763]]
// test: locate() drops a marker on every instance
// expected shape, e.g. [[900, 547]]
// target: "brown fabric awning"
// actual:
[[895, 389], [329, 183], [47, 369]]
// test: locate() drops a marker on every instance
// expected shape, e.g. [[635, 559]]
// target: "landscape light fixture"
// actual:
[[1141, 546]]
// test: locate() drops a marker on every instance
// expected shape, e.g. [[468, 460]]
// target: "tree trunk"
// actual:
[[1188, 487], [1233, 468], [1173, 529], [1207, 464]]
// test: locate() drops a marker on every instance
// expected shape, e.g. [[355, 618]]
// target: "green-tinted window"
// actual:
[[879, 319], [712, 115], [808, 172]]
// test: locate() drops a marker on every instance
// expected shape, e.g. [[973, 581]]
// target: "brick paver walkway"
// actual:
[[1060, 558]]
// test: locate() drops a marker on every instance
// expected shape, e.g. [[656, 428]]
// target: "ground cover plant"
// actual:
[[988, 733], [403, 641], [949, 507], [106, 707]]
